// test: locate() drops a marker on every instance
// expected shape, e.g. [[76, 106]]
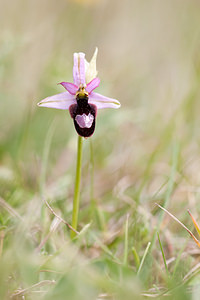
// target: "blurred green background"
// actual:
[[145, 152]]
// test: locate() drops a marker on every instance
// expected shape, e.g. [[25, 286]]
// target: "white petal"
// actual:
[[103, 102], [59, 101]]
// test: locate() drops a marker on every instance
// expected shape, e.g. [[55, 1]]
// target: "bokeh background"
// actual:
[[145, 152]]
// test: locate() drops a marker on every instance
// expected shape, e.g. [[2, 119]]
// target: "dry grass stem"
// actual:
[[177, 220], [61, 219], [29, 289], [10, 209]]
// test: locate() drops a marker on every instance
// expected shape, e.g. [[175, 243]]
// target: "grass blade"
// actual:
[[195, 223], [136, 257], [126, 241], [163, 254], [143, 258]]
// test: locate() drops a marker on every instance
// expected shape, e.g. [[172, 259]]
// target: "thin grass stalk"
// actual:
[[126, 242], [171, 182], [136, 257], [163, 254], [143, 258]]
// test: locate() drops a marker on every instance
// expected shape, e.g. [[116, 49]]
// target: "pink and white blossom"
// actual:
[[85, 82]]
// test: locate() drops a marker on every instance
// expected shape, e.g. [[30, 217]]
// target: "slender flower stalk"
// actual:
[[77, 186], [92, 200], [82, 103]]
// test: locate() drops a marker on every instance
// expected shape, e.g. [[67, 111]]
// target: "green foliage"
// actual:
[[146, 152]]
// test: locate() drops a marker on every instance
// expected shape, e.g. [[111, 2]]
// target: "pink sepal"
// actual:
[[70, 87], [92, 85]]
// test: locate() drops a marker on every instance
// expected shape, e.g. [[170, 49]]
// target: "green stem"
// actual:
[[143, 258], [77, 186], [126, 242], [92, 200]]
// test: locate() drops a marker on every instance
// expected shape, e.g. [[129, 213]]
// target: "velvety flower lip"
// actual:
[[85, 82]]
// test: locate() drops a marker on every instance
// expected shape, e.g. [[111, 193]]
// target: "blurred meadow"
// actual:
[[146, 152]]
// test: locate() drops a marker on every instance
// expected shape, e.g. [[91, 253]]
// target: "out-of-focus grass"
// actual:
[[146, 152]]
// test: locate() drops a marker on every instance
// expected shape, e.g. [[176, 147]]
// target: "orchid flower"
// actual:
[[80, 98], [82, 103]]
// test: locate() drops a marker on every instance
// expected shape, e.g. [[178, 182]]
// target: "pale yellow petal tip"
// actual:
[[95, 54], [42, 102], [118, 105], [91, 71]]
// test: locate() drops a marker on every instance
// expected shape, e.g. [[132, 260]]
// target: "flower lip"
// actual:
[[84, 116]]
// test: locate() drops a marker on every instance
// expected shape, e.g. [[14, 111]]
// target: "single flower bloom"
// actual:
[[80, 98]]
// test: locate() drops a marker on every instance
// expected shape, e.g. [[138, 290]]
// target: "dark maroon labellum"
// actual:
[[84, 115]]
